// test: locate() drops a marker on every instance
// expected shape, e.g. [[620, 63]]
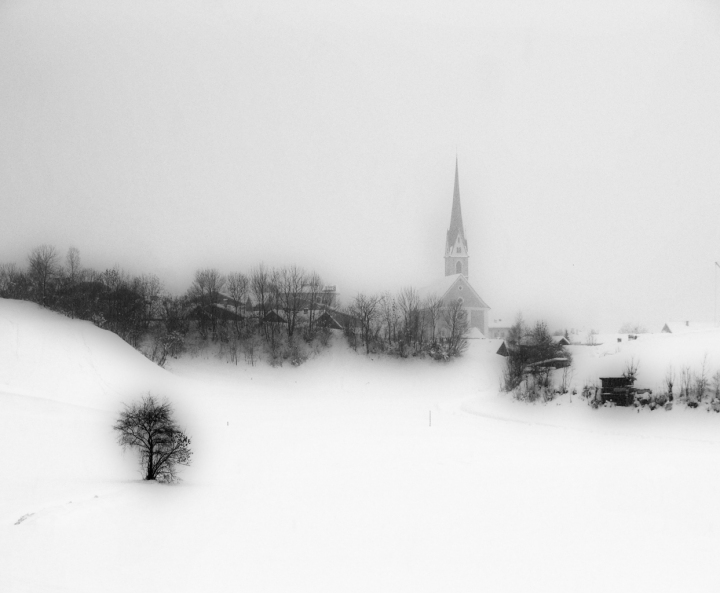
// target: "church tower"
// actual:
[[456, 252]]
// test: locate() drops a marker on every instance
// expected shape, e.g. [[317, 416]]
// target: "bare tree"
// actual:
[[289, 282], [149, 427], [669, 382], [685, 382], [389, 313], [69, 298], [122, 306], [456, 322], [517, 332], [205, 292], [260, 288], [313, 296], [632, 328], [72, 264], [702, 383], [433, 310], [366, 309], [43, 269], [150, 289], [237, 286], [566, 379], [14, 283], [409, 304], [716, 389]]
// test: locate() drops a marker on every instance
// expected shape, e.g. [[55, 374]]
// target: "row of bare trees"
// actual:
[[406, 324], [268, 306], [272, 310], [113, 299]]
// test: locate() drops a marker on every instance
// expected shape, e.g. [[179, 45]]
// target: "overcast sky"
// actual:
[[169, 136]]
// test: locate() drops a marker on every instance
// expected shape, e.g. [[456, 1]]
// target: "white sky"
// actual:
[[168, 136]]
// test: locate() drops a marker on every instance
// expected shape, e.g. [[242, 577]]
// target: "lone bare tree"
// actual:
[[149, 427]]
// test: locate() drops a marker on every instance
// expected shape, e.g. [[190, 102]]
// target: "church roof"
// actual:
[[456, 223], [438, 288], [442, 286]]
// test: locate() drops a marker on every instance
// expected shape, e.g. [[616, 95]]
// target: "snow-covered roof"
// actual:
[[683, 327], [438, 288], [442, 286], [475, 334]]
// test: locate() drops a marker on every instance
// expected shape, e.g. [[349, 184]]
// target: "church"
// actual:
[[455, 286]]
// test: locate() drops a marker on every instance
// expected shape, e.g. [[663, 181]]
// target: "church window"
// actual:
[[458, 268], [458, 250]]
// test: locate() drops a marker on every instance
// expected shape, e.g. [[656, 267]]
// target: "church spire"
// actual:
[[456, 224], [456, 254]]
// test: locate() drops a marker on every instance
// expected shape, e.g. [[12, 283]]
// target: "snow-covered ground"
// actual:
[[348, 474]]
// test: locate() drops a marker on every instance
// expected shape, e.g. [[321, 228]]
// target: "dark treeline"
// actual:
[[279, 314], [272, 312]]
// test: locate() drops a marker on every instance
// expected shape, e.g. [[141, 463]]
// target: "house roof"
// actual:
[[327, 320], [273, 317], [475, 334]]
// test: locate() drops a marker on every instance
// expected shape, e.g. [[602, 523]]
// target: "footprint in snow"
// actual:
[[21, 519], [28, 515]]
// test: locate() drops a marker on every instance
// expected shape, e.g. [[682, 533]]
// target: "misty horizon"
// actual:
[[169, 137]]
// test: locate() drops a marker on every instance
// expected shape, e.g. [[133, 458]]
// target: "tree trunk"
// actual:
[[150, 469]]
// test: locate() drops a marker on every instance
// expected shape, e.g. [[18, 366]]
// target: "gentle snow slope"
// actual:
[[329, 477]]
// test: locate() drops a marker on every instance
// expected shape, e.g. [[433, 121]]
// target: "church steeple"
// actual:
[[456, 253]]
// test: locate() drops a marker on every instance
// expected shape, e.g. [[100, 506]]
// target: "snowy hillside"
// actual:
[[345, 474], [47, 355]]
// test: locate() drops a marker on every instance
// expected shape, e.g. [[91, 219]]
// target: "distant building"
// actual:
[[455, 287], [498, 328], [684, 327]]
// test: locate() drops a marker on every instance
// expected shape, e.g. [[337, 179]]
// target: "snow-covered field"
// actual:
[[331, 477]]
